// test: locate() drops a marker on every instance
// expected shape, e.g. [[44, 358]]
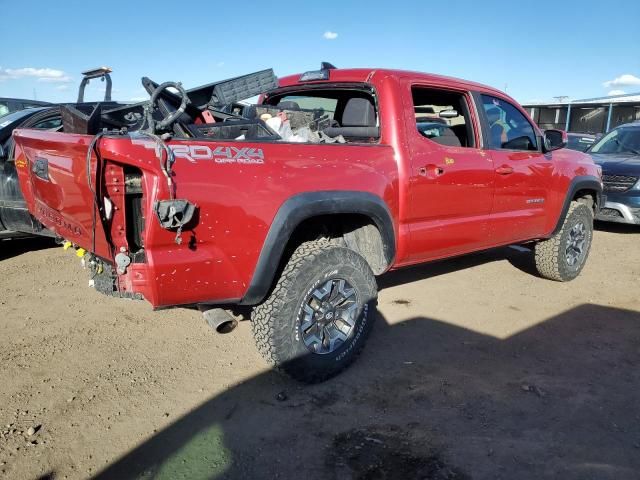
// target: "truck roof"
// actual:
[[366, 74]]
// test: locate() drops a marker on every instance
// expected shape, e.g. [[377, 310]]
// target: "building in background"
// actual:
[[591, 115]]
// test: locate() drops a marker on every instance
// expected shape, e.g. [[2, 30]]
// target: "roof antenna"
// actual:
[[327, 66]]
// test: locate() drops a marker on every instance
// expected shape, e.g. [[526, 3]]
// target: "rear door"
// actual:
[[451, 178], [523, 174]]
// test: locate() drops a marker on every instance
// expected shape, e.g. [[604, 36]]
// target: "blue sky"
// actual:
[[537, 50]]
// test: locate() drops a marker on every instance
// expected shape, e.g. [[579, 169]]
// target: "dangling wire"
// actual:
[[166, 161]]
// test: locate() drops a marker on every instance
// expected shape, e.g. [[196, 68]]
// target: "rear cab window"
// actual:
[[341, 114], [320, 114]]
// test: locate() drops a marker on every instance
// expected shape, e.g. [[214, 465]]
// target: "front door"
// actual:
[[451, 178], [523, 173]]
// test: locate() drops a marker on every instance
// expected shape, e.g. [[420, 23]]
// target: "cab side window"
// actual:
[[508, 127], [443, 117]]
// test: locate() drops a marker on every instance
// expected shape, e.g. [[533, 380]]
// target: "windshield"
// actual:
[[620, 140]]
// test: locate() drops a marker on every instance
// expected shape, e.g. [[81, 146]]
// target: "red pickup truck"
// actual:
[[404, 168]]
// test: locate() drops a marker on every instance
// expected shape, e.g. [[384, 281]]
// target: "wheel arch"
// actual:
[[580, 187], [320, 207]]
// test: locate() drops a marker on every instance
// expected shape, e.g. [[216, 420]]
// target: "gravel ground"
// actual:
[[476, 369]]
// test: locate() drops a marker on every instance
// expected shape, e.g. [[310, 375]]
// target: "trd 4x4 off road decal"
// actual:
[[193, 153]]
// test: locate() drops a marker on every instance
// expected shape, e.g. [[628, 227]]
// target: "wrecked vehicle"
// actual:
[[195, 198]]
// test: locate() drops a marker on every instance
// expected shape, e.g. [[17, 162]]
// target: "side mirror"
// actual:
[[448, 114], [554, 140]]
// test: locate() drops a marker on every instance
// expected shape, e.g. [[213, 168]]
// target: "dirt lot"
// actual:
[[476, 369]]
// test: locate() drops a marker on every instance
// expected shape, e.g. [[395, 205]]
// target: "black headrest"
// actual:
[[359, 112], [289, 105]]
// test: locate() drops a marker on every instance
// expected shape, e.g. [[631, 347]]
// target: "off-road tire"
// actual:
[[276, 322], [550, 255]]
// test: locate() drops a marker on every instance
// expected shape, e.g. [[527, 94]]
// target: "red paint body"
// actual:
[[467, 208]]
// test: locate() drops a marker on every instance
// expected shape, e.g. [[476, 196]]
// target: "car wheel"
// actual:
[[563, 256], [319, 314]]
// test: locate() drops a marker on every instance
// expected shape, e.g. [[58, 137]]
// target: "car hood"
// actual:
[[618, 162]]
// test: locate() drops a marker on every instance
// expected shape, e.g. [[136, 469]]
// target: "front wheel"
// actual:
[[563, 256], [316, 320]]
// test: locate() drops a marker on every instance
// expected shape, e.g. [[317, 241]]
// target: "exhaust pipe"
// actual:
[[221, 320]]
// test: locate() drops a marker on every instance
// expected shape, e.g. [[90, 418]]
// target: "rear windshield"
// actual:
[[326, 106], [343, 115]]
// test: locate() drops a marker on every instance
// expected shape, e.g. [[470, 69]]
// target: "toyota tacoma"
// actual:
[[290, 208]]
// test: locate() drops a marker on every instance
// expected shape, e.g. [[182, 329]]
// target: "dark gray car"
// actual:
[[618, 153]]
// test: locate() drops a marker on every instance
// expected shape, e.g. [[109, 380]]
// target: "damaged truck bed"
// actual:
[[132, 165], [292, 205]]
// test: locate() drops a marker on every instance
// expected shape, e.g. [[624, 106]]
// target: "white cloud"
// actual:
[[626, 80], [329, 35], [220, 64], [62, 87], [614, 93], [138, 99], [40, 74]]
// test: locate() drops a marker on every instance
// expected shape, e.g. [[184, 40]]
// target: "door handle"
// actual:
[[431, 171], [504, 170]]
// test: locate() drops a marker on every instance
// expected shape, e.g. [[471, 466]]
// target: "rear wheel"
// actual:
[[563, 256], [316, 320]]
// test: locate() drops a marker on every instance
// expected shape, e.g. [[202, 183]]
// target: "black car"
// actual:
[[618, 153], [580, 141], [9, 105], [15, 219]]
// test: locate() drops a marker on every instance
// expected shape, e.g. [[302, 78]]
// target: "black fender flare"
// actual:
[[583, 182], [305, 206]]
